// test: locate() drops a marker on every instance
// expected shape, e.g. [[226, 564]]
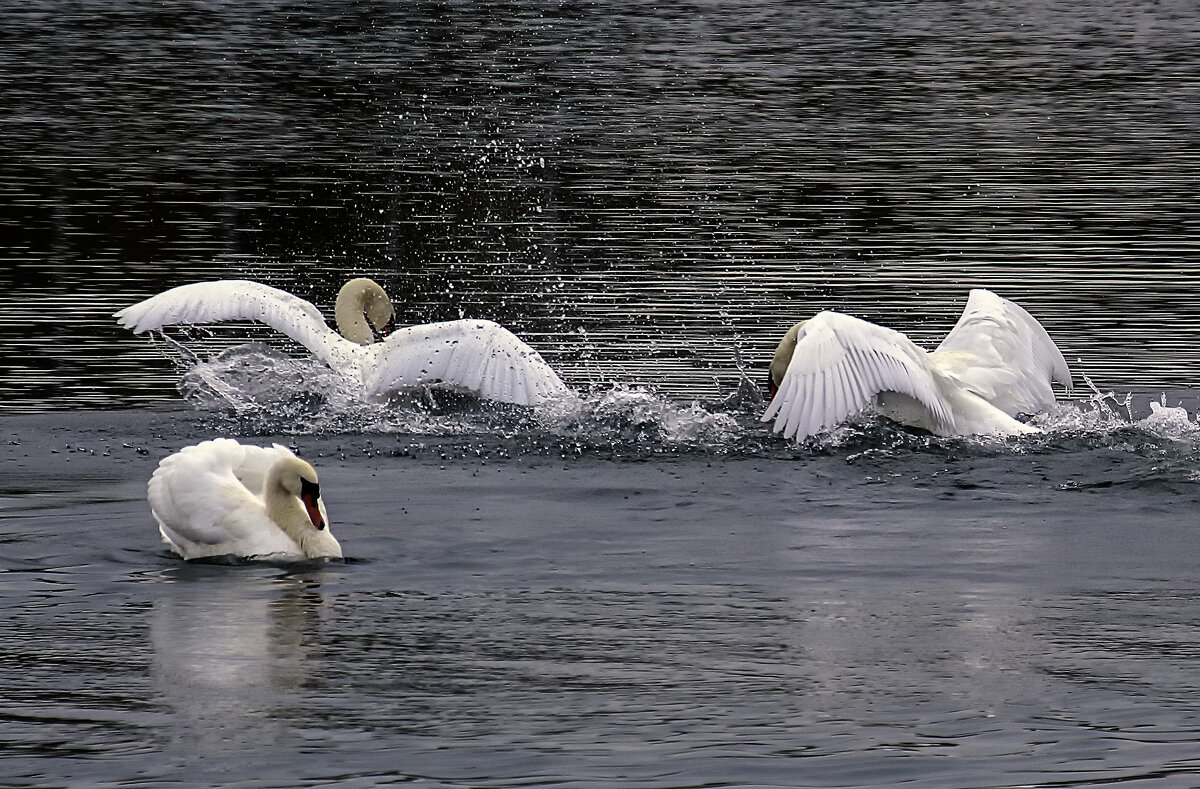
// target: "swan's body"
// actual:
[[222, 498], [478, 355], [997, 362]]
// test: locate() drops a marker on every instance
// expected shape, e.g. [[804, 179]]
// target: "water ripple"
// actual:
[[644, 194]]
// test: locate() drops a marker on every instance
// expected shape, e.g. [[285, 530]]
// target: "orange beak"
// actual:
[[314, 512], [310, 494]]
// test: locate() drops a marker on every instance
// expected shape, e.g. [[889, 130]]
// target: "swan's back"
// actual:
[[207, 499]]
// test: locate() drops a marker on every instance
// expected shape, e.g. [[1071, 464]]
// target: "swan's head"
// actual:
[[364, 313], [299, 479], [782, 358]]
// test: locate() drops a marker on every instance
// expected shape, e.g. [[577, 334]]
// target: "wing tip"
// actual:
[[126, 319]]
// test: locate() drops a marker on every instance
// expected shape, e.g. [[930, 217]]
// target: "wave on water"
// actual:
[[257, 389]]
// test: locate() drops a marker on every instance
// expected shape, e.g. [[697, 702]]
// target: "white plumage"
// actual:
[[222, 498], [997, 362], [478, 355]]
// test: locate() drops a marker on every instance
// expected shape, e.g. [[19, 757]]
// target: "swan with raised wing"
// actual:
[[477, 355], [222, 498], [995, 364]]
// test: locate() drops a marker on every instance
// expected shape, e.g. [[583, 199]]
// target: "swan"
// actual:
[[222, 498], [478, 355], [997, 362]]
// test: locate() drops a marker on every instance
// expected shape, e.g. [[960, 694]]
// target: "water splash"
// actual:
[[1169, 421], [1106, 415], [268, 391], [626, 416], [256, 389]]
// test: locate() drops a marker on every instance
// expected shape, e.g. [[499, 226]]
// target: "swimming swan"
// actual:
[[995, 363], [478, 355], [221, 498]]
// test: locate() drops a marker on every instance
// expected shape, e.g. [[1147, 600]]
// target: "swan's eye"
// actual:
[[309, 489]]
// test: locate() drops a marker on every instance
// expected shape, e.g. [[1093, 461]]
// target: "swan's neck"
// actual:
[[783, 353], [288, 513], [358, 299]]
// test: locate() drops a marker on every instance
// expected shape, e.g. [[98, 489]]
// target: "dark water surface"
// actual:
[[641, 190], [644, 588], [945, 614]]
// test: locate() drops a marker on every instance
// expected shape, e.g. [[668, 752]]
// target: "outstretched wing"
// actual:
[[839, 365], [478, 355], [1001, 353], [232, 300]]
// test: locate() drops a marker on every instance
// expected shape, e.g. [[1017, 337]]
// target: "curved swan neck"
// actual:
[[783, 353], [359, 301], [284, 506]]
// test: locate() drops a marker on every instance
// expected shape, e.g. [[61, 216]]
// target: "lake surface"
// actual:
[[646, 192], [647, 588], [882, 609]]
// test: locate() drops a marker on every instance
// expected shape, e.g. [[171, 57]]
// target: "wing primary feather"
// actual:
[[789, 411], [232, 300], [845, 403], [529, 387], [772, 408], [848, 381], [820, 412], [487, 378], [799, 402], [503, 378], [510, 379], [808, 397]]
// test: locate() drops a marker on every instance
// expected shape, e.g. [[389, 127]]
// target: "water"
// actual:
[[881, 608], [645, 588], [643, 191]]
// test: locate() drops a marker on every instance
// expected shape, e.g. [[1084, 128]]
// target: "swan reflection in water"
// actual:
[[232, 651]]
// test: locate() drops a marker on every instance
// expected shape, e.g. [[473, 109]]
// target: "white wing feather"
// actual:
[[478, 355], [1001, 353], [840, 363], [202, 507], [232, 300]]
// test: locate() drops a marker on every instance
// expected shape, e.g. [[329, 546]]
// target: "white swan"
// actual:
[[997, 362], [478, 355], [222, 498]]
